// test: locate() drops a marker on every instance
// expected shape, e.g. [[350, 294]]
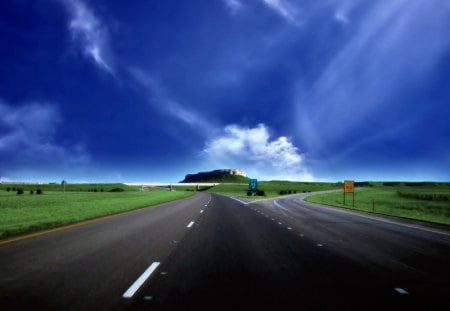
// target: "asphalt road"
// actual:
[[216, 252]]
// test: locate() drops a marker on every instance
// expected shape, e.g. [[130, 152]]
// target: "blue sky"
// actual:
[[119, 91]]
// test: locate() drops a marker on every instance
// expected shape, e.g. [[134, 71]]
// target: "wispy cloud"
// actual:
[[393, 44], [159, 98], [28, 133], [90, 33], [254, 149], [233, 5], [285, 9]]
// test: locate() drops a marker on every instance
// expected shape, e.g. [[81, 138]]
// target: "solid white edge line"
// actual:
[[376, 217], [138, 283], [190, 224]]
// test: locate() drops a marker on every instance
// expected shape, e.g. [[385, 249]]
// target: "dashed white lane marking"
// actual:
[[272, 219], [320, 245], [289, 228], [190, 224], [201, 212], [302, 235], [401, 291], [279, 223], [206, 204], [138, 283]]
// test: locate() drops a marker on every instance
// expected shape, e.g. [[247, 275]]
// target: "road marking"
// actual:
[[320, 245], [401, 291], [201, 212], [289, 228], [272, 219], [374, 217], [206, 204], [190, 224], [279, 223], [302, 235], [279, 205], [138, 283]]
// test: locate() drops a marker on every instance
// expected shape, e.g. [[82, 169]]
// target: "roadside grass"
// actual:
[[26, 213], [68, 188], [427, 202], [274, 188]]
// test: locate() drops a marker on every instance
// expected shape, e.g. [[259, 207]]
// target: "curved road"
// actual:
[[215, 252]]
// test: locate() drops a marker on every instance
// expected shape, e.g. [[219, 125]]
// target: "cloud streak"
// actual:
[[393, 44], [233, 5], [254, 149], [90, 33], [283, 8], [158, 98]]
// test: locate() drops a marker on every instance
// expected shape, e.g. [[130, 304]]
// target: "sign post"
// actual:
[[349, 187], [253, 184]]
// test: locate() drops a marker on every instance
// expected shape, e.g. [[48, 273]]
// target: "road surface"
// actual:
[[214, 252]]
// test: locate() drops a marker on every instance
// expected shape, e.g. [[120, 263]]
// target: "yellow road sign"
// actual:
[[349, 186]]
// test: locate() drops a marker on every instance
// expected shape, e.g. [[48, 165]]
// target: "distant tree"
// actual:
[[39, 191], [14, 189], [249, 193], [116, 190], [95, 189], [31, 192], [8, 189], [101, 189], [19, 191]]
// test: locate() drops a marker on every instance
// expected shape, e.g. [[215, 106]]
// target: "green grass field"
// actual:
[[421, 201], [25, 213], [274, 188], [68, 188]]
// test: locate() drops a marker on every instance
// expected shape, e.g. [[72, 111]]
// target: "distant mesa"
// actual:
[[223, 175]]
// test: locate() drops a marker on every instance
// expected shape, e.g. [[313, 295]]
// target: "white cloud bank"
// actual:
[[88, 31], [253, 149]]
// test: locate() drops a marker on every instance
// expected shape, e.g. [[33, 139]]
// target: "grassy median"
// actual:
[[31, 212], [421, 201]]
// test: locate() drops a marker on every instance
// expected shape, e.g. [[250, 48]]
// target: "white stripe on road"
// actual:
[[190, 224], [201, 212], [138, 283]]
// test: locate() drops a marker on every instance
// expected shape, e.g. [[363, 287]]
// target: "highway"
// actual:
[[215, 252]]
